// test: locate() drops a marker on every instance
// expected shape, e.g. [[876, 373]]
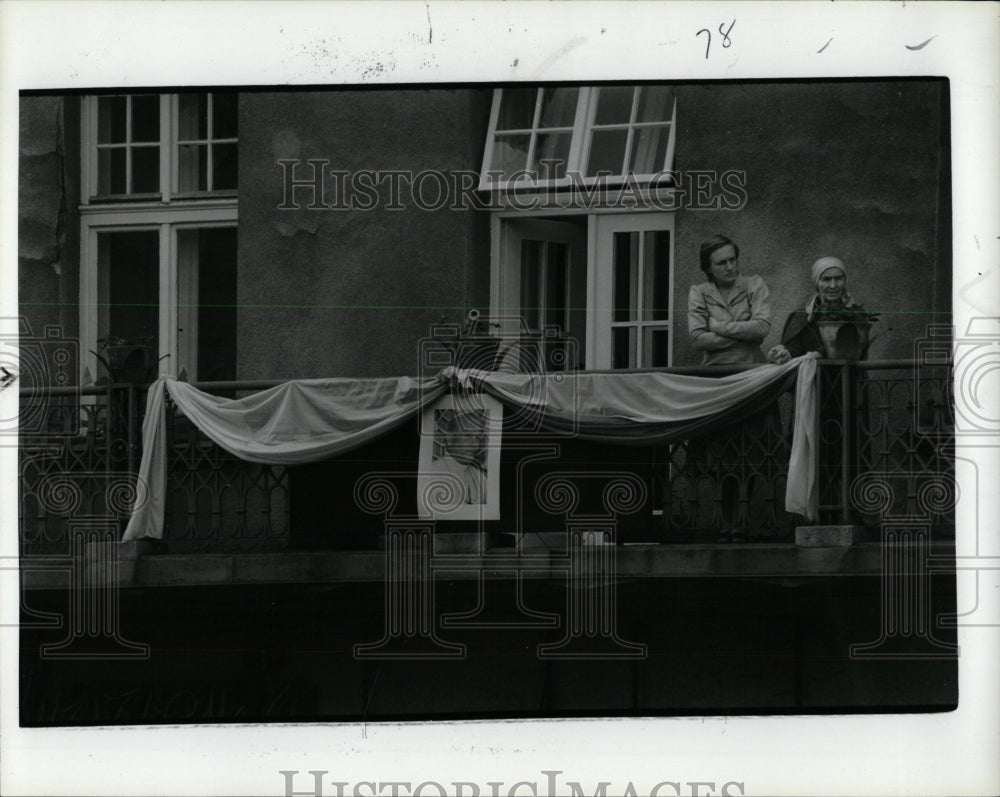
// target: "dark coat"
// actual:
[[800, 335]]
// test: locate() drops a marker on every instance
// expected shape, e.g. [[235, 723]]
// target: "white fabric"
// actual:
[[307, 420], [631, 398], [802, 487], [296, 422]]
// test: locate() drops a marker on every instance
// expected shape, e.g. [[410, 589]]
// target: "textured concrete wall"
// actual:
[[352, 292], [855, 170], [48, 224], [844, 169]]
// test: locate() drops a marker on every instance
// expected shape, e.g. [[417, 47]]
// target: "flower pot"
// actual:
[[843, 339], [130, 362]]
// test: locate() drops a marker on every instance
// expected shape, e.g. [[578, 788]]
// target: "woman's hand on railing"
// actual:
[[778, 355]]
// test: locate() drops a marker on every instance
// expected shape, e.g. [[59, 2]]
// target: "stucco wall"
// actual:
[[854, 169], [48, 224], [352, 292], [844, 169]]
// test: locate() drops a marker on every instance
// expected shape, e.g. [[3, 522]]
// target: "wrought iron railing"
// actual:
[[732, 481], [901, 427], [216, 501], [79, 457], [888, 420]]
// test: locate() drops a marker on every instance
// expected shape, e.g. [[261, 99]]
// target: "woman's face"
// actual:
[[723, 266], [831, 286]]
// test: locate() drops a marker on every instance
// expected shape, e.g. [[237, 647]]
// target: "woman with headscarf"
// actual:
[[728, 318], [801, 332]]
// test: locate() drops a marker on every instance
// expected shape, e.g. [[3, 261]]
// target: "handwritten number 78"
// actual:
[[726, 41]]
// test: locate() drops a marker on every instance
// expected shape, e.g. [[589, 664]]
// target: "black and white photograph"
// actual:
[[459, 458], [413, 408]]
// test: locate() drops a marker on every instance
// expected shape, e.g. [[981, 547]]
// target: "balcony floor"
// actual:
[[783, 562]]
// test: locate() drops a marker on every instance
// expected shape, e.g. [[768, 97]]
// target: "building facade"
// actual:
[[237, 239]]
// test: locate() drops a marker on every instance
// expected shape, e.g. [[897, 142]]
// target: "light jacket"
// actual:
[[745, 319]]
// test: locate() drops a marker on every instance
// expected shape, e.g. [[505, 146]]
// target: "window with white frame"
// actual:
[[206, 142], [158, 240], [563, 135], [597, 272], [641, 315], [603, 281]]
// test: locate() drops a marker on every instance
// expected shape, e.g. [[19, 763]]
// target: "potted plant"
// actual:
[[125, 360], [846, 331]]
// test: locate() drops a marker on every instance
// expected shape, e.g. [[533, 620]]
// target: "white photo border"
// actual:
[[83, 45]]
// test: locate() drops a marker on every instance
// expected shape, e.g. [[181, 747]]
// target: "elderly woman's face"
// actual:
[[723, 266], [831, 285]]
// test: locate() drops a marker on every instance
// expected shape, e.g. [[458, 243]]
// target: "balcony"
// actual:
[[273, 595], [885, 438]]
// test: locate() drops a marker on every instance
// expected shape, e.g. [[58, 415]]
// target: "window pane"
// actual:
[[192, 167], [216, 343], [556, 269], [111, 120], [614, 105], [656, 275], [129, 271], [225, 166], [607, 151], [517, 109], [551, 147], [649, 148], [111, 171], [510, 154], [655, 104], [531, 263], [224, 115], [624, 295], [146, 117], [656, 348], [192, 117], [623, 347], [558, 107], [145, 170]]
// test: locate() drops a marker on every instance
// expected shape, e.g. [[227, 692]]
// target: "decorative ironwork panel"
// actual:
[[875, 418], [80, 461], [733, 479], [905, 433], [218, 502]]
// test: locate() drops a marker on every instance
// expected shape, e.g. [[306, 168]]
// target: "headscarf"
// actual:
[[825, 264], [818, 268]]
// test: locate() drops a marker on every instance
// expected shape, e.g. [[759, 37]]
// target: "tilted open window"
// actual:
[[567, 135]]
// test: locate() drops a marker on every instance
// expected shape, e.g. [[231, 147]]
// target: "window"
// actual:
[[589, 278], [128, 145], [559, 136], [159, 146], [158, 240], [544, 284], [599, 284], [206, 142], [638, 258], [541, 287]]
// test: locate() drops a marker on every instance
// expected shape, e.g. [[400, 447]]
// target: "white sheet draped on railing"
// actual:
[[306, 420]]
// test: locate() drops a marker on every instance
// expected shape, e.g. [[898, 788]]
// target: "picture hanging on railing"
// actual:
[[459, 477]]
